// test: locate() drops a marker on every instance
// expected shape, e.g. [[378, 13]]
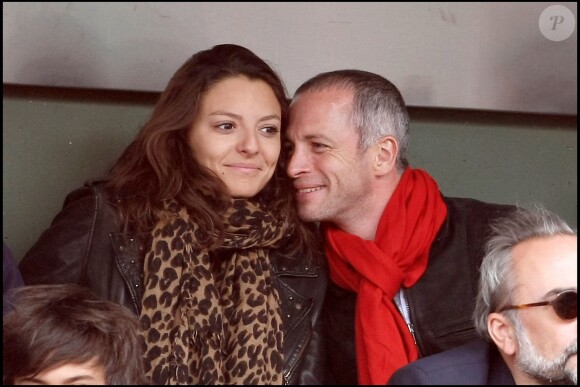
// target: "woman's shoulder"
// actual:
[[90, 190], [91, 201]]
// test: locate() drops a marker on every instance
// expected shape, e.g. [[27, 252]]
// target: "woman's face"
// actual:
[[236, 134]]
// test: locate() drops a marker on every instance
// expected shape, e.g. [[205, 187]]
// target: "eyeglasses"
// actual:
[[565, 305]]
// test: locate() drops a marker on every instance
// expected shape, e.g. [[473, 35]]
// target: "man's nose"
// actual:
[[298, 163]]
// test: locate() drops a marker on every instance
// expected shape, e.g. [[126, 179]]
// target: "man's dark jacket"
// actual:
[[475, 363], [85, 245], [440, 304]]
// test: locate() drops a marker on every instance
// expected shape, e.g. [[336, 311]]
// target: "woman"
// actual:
[[196, 231]]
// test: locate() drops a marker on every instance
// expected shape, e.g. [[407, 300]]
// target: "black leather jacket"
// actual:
[[85, 245], [440, 304]]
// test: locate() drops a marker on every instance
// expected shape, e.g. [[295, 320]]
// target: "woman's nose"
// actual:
[[249, 143]]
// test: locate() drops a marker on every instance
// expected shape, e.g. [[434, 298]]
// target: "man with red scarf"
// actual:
[[403, 258]]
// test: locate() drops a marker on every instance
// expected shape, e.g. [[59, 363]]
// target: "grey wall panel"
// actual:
[[478, 55], [51, 146]]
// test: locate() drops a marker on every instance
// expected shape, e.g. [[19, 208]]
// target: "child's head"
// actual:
[[64, 334]]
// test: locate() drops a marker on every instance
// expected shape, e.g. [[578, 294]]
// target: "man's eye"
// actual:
[[318, 146]]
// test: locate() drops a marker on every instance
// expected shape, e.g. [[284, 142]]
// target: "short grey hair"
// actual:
[[378, 107], [496, 279]]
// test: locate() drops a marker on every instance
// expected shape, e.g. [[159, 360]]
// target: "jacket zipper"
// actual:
[[302, 348], [407, 317]]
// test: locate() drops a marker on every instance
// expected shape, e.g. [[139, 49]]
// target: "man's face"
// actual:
[[331, 176], [547, 344]]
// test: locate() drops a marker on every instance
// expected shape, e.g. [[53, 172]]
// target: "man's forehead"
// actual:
[[326, 94], [546, 260]]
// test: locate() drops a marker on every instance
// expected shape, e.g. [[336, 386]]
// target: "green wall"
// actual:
[[54, 139]]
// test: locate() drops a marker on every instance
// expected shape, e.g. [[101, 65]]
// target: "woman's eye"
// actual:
[[226, 126], [270, 130]]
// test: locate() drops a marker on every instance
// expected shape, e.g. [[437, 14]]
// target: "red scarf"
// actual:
[[377, 269]]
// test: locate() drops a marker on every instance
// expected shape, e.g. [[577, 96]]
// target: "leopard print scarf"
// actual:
[[213, 317]]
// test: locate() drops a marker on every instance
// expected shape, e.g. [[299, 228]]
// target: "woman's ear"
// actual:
[[386, 153], [502, 333]]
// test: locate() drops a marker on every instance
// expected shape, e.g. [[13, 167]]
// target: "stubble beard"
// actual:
[[545, 371]]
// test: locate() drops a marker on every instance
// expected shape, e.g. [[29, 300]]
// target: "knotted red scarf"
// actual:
[[376, 270]]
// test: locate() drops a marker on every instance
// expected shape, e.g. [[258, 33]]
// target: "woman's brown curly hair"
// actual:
[[159, 165]]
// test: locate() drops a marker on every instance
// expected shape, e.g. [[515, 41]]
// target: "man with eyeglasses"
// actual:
[[526, 310]]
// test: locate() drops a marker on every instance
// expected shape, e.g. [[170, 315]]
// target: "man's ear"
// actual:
[[502, 332], [386, 152]]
